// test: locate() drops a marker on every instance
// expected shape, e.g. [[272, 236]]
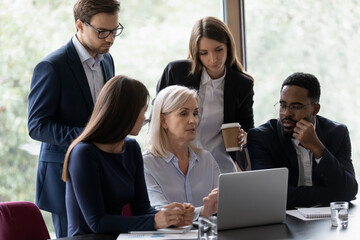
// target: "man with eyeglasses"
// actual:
[[64, 88], [316, 150]]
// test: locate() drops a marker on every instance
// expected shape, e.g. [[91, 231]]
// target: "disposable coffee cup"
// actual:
[[230, 132]]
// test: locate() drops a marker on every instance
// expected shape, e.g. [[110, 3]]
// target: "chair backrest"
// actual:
[[21, 220], [126, 211]]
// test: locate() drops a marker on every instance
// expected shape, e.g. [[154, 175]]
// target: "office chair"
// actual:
[[126, 211], [21, 220]]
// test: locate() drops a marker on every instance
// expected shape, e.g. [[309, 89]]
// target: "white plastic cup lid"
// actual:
[[230, 125]]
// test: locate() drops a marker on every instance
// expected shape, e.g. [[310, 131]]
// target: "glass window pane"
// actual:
[[320, 37]]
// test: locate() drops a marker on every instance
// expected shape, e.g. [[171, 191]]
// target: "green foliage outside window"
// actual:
[[320, 37], [155, 32]]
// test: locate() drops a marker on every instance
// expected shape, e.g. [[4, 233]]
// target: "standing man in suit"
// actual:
[[316, 150], [64, 88]]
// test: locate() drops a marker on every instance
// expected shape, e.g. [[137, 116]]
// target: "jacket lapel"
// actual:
[[290, 153], [318, 131], [79, 74], [321, 137], [108, 71], [229, 97], [194, 82]]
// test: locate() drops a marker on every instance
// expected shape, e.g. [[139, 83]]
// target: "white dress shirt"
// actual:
[[166, 183], [211, 115], [92, 68]]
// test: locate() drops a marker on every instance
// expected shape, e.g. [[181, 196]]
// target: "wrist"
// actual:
[[318, 151], [155, 225], [202, 212]]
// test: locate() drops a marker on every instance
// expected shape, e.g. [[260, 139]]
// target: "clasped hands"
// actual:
[[174, 214]]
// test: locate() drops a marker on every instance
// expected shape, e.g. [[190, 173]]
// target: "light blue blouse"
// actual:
[[166, 183]]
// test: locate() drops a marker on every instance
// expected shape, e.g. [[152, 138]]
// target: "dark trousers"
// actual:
[[242, 159], [60, 224]]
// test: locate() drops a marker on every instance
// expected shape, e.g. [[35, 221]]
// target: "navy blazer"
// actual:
[[333, 178], [60, 105], [238, 95]]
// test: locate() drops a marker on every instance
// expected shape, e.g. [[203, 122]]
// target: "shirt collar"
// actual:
[[192, 157], [295, 142], [206, 79], [84, 55], [169, 157]]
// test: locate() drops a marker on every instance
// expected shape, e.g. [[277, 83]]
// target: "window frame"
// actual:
[[234, 17]]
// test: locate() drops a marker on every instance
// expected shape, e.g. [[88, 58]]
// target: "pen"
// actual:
[[160, 208]]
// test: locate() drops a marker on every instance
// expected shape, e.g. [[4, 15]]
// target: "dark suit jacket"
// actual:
[[238, 94], [333, 178], [60, 105]]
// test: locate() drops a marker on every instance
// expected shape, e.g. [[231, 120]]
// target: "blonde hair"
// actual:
[[213, 28], [168, 100]]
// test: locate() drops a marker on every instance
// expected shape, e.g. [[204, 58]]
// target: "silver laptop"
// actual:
[[252, 198]]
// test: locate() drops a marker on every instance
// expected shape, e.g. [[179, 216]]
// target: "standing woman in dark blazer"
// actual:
[[225, 89]]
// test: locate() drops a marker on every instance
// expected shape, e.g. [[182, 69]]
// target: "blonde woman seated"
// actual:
[[175, 170]]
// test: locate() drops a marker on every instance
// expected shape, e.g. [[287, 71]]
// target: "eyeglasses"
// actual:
[[281, 107], [105, 33]]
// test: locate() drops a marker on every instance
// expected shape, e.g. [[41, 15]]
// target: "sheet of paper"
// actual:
[[193, 234], [297, 214], [182, 229]]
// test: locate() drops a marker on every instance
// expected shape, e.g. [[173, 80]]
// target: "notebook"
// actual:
[[315, 212], [171, 230], [252, 198]]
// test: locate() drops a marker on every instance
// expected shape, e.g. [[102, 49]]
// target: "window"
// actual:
[[319, 37], [159, 34], [155, 33]]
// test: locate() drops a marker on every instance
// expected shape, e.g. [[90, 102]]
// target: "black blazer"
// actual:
[[238, 90], [60, 105], [333, 178], [238, 95]]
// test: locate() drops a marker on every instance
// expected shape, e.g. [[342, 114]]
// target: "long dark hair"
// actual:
[[114, 116], [212, 28]]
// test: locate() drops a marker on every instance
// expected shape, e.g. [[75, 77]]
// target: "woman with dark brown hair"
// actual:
[[103, 168], [225, 89]]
